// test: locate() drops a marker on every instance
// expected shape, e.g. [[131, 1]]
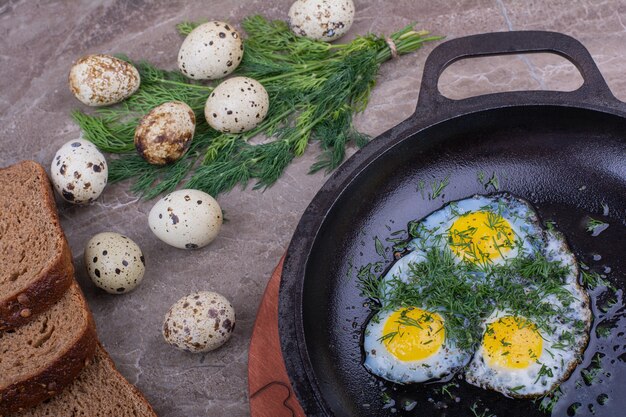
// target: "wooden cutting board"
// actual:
[[268, 384]]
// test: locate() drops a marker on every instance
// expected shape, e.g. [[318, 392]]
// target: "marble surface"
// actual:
[[40, 39]]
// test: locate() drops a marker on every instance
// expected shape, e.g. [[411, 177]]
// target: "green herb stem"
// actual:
[[315, 88]]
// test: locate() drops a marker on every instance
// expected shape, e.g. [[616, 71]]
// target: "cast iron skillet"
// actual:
[[563, 151]]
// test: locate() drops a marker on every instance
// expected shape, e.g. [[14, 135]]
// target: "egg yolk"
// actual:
[[480, 236], [512, 342], [413, 334]]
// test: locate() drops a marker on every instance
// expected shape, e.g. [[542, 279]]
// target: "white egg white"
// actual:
[[564, 339], [434, 229], [378, 360]]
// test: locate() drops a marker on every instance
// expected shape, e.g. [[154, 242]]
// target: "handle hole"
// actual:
[[471, 77]]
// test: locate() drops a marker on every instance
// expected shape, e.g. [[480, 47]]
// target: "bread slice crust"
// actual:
[[32, 388], [98, 391], [23, 304]]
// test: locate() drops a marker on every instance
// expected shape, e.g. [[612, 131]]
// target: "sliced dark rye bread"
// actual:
[[35, 259], [41, 358], [98, 391]]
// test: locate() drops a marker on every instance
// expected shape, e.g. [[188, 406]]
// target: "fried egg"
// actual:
[[481, 230], [409, 345], [519, 359]]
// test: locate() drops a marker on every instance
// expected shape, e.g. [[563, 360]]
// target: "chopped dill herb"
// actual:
[[566, 340], [595, 227], [594, 370], [544, 371], [488, 182], [369, 283], [548, 401], [446, 389], [442, 283], [387, 338], [380, 249], [514, 390], [603, 331], [480, 176], [592, 280], [437, 187], [421, 185], [608, 304], [605, 208], [414, 228], [477, 413], [493, 182], [405, 320], [385, 397]]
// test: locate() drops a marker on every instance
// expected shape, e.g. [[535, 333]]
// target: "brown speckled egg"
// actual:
[[79, 172], [324, 20], [100, 80], [237, 105], [199, 322], [186, 219], [164, 134], [114, 262], [211, 51]]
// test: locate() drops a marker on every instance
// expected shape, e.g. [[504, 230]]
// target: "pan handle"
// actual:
[[593, 92]]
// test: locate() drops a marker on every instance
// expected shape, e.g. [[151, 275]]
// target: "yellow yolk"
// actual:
[[417, 334], [481, 235], [512, 342]]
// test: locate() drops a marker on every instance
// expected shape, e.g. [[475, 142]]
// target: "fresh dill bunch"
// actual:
[[315, 88]]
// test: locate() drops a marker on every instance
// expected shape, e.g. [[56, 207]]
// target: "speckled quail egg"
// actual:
[[100, 80], [199, 322], [211, 51], [79, 172], [324, 20], [164, 134], [237, 105], [114, 262], [186, 219]]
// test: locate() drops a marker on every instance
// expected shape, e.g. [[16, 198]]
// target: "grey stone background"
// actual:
[[39, 40]]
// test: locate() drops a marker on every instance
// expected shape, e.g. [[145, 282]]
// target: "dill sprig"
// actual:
[[437, 187], [595, 227], [315, 88], [549, 400]]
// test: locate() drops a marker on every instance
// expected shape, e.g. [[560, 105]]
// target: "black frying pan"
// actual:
[[563, 151]]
